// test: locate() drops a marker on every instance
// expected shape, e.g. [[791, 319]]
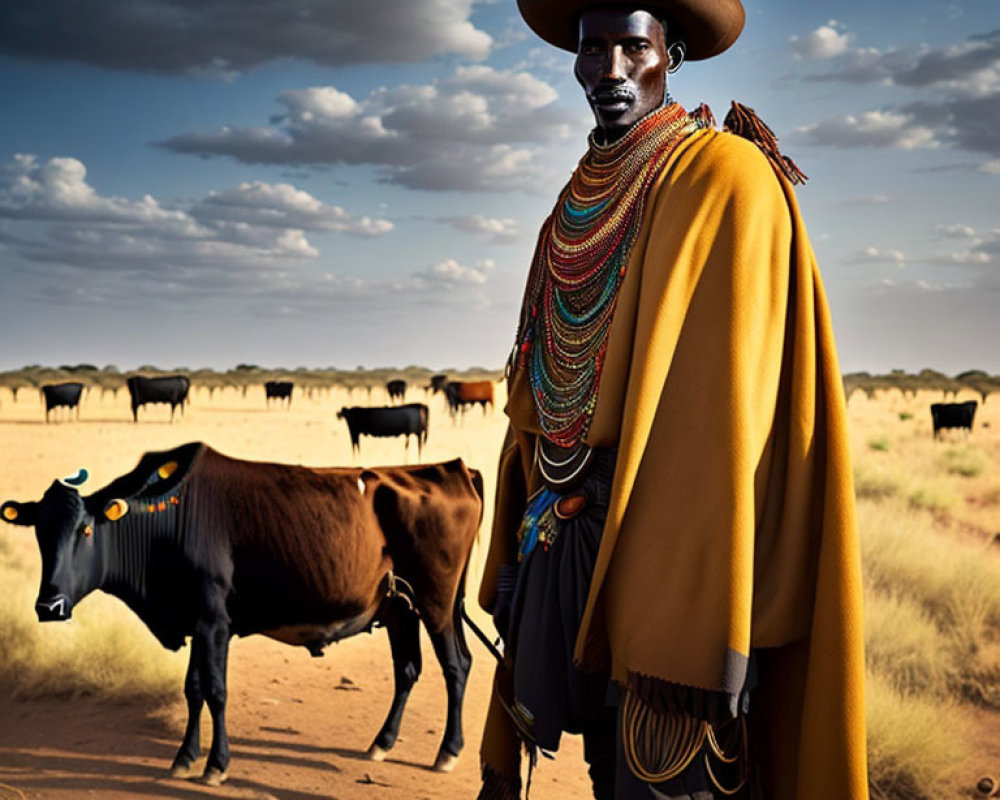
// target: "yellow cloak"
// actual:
[[731, 523]]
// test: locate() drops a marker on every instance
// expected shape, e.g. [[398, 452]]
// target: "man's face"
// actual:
[[621, 64]]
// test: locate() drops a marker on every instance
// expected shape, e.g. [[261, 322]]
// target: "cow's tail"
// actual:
[[424, 423]]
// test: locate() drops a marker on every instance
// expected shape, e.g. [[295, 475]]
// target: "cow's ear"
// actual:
[[115, 510], [18, 513]]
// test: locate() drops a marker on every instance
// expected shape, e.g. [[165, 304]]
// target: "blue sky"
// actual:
[[292, 182]]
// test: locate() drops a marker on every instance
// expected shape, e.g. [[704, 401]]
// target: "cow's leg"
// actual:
[[191, 746], [453, 654], [403, 626], [212, 635]]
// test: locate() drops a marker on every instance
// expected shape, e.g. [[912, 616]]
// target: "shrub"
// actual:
[[873, 486], [913, 741], [967, 462]]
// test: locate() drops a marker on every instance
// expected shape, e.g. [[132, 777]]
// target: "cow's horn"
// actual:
[[116, 509], [76, 479], [167, 470]]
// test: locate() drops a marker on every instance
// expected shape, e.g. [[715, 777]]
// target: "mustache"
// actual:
[[613, 94]]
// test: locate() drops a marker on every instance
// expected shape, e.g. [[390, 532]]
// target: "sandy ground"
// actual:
[[299, 726]]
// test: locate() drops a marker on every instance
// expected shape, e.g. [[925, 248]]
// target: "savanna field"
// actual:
[[94, 707]]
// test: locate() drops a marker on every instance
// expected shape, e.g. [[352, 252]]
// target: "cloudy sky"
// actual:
[[293, 182]]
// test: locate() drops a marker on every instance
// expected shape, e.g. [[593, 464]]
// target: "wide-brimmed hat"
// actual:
[[710, 26]]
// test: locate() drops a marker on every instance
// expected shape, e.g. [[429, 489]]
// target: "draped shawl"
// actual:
[[731, 523]]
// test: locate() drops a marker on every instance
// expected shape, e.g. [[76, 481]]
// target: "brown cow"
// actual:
[[462, 394], [205, 546]]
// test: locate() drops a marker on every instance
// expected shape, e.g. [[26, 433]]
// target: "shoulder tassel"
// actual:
[[743, 121]]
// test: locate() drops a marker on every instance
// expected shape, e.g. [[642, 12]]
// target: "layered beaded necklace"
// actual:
[[579, 264]]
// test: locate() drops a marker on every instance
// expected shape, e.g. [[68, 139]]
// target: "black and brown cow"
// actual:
[[462, 394], [65, 395], [205, 547], [172, 389]]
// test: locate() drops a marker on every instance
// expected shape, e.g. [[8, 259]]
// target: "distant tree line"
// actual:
[[242, 377], [928, 380]]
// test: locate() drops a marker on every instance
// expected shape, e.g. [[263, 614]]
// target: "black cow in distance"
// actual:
[[278, 390], [407, 420], [953, 415], [396, 390], [172, 389], [65, 395]]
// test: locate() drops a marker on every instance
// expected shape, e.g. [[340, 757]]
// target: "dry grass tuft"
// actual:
[[872, 485], [913, 741], [966, 461], [103, 652]]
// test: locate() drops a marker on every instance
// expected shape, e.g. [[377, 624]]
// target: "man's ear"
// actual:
[[18, 513], [676, 52]]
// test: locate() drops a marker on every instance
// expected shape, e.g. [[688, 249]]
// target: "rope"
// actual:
[[659, 747], [494, 650]]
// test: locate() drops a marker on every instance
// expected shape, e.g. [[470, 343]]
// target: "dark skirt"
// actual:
[[549, 694]]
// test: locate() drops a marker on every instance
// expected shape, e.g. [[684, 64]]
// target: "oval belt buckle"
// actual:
[[569, 506]]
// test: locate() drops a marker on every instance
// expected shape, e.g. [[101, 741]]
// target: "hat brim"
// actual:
[[710, 26]]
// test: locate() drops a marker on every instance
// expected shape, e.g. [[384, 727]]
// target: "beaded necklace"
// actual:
[[579, 264]]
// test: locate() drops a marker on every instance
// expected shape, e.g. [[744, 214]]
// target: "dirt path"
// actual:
[[299, 728]]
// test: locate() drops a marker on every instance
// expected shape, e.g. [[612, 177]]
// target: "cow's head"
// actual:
[[72, 561]]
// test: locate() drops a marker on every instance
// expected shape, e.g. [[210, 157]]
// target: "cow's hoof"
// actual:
[[182, 772], [376, 753], [214, 777], [445, 762]]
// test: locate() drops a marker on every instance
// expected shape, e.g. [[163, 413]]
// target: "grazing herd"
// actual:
[[206, 547], [397, 419]]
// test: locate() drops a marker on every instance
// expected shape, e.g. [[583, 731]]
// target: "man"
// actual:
[[674, 562]]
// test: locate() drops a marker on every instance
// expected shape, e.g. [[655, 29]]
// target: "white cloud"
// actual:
[[875, 255], [957, 231], [991, 167], [479, 129], [970, 68], [827, 41], [64, 220], [58, 190], [958, 102], [282, 205], [870, 129], [496, 230], [450, 271]]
